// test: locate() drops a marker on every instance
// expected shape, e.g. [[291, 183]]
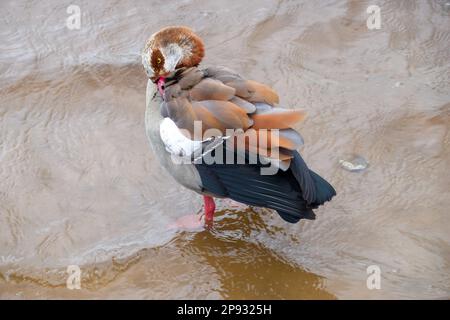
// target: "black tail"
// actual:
[[316, 190], [292, 193], [324, 190]]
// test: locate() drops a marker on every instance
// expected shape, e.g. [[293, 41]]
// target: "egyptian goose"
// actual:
[[195, 118]]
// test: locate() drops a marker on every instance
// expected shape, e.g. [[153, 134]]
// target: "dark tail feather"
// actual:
[[292, 193], [295, 217], [324, 190], [315, 189], [323, 193]]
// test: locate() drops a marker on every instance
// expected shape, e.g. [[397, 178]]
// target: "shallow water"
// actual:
[[80, 185]]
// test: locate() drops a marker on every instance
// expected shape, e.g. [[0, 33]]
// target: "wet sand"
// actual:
[[80, 185]]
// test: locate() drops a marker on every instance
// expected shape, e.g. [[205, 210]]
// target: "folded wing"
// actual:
[[221, 100]]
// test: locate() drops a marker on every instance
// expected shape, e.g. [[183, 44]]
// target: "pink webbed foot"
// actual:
[[190, 222], [193, 222]]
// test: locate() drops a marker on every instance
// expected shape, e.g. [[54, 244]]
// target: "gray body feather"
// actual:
[[185, 174]]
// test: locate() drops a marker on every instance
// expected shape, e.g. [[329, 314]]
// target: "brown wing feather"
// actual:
[[276, 140], [188, 78], [229, 114], [262, 93], [277, 119], [209, 121], [253, 91], [244, 104], [222, 74], [222, 99], [210, 89], [181, 112], [249, 90]]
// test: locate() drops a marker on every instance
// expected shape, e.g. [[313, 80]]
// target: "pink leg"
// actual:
[[210, 207], [194, 221]]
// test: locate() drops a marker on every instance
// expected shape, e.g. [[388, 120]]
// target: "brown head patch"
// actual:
[[191, 45], [186, 39], [157, 61]]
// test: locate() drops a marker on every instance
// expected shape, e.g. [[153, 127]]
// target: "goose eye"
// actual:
[[158, 60]]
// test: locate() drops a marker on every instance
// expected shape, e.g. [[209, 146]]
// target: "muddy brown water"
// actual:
[[80, 186]]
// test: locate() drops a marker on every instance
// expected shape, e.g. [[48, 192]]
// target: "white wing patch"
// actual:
[[178, 145], [175, 142], [185, 150]]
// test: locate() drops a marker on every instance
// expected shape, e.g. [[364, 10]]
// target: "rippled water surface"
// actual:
[[80, 186]]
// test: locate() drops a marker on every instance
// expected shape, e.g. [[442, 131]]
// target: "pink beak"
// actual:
[[160, 84]]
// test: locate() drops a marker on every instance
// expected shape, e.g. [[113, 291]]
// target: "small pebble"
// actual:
[[355, 164]]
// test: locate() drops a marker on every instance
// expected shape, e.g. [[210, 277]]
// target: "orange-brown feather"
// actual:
[[263, 93], [210, 89], [207, 118], [230, 115], [253, 91], [277, 120], [265, 138]]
